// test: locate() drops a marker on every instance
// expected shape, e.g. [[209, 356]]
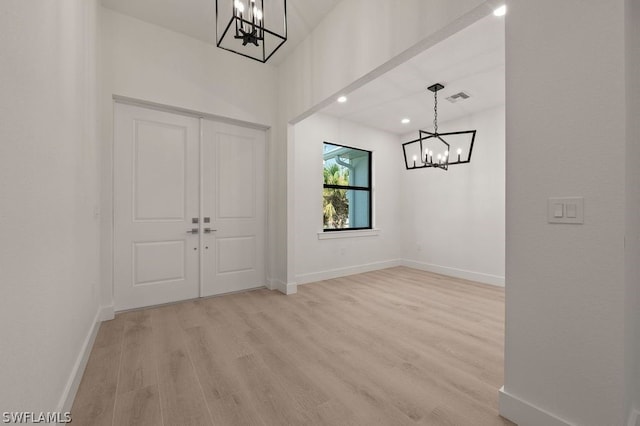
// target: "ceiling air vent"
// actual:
[[460, 96]]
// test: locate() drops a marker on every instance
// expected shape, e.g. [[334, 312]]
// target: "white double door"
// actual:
[[189, 207]]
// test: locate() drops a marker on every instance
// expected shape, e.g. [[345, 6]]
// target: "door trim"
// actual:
[[188, 112], [201, 208]]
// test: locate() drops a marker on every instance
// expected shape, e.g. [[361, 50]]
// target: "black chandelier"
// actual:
[[245, 27], [432, 150]]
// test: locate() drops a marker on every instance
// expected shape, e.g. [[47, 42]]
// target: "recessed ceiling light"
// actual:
[[405, 121], [342, 99], [501, 11]]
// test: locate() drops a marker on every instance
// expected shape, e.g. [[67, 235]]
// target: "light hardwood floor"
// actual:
[[391, 347]]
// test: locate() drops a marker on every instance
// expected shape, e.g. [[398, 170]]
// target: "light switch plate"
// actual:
[[572, 208]]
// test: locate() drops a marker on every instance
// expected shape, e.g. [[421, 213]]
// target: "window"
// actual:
[[347, 188]]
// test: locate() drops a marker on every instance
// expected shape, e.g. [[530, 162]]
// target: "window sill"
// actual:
[[348, 234]]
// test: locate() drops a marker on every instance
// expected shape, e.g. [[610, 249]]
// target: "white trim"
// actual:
[[69, 393], [282, 287], [107, 313], [455, 272], [348, 234], [272, 284], [525, 414], [634, 418], [349, 270], [292, 288], [184, 111], [200, 206]]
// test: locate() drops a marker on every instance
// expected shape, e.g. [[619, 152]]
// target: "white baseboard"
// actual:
[[69, 393], [524, 414], [634, 418], [271, 284], [454, 272], [291, 288], [107, 313], [282, 287], [343, 272]]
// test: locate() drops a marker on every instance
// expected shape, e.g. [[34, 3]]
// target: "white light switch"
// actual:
[[565, 210]]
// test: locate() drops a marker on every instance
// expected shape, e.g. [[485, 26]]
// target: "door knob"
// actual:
[[193, 231]]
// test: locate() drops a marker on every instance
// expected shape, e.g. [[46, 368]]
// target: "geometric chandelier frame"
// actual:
[[438, 150], [245, 27]]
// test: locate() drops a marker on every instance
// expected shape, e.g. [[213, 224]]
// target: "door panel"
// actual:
[[160, 152], [233, 197], [235, 176], [155, 262], [235, 254], [156, 188]]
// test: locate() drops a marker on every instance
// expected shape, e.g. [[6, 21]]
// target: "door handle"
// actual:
[[209, 230], [193, 231]]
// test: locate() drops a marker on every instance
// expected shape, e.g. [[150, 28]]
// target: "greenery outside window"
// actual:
[[347, 188]]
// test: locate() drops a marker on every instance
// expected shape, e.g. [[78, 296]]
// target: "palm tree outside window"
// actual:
[[347, 188]]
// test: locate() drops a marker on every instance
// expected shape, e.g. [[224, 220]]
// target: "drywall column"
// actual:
[[49, 194], [565, 284], [632, 237]]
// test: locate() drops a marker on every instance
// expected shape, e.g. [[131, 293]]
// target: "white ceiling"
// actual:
[[196, 18], [472, 60]]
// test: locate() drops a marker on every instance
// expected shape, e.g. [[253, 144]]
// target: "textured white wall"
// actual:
[[454, 221], [632, 236], [49, 249], [315, 257], [565, 284], [146, 62]]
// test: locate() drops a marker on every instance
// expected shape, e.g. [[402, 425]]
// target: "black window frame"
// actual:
[[352, 187]]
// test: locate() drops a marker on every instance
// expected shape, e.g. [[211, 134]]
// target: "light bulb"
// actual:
[[405, 121], [439, 156], [342, 99], [238, 4], [501, 11], [459, 151], [415, 158], [431, 153], [258, 14], [446, 153], [255, 11]]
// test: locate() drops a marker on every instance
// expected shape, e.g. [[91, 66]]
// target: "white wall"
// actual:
[[147, 62], [565, 284], [49, 248], [632, 238], [321, 259], [453, 221]]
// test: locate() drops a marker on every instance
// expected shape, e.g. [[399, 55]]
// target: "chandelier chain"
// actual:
[[435, 111]]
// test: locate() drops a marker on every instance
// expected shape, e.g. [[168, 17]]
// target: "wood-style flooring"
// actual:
[[391, 347]]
